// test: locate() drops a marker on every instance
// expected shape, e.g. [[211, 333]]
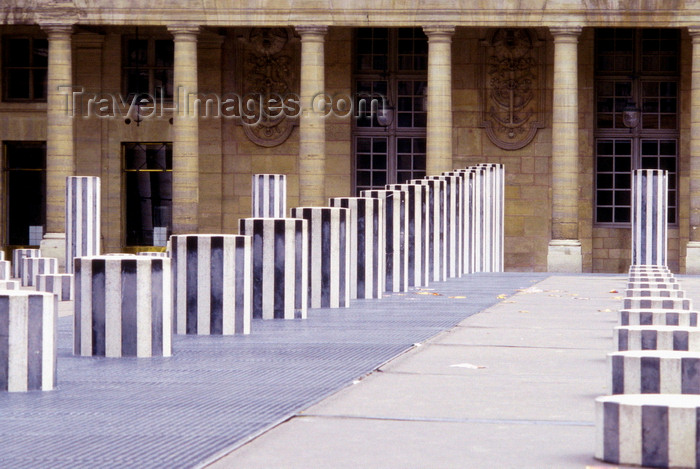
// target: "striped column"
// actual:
[[419, 237], [17, 256], [5, 270], [123, 307], [82, 218], [654, 372], [154, 253], [665, 317], [269, 196], [653, 430], [654, 292], [656, 338], [395, 237], [649, 216], [494, 198], [280, 266], [212, 283], [454, 220], [367, 248], [33, 266], [468, 226], [27, 341], [10, 285], [329, 255], [657, 303], [437, 254], [60, 285]]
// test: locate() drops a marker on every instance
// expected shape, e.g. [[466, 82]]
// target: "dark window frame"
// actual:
[[13, 165], [34, 71]]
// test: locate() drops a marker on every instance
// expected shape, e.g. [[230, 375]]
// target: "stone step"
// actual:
[[664, 317], [654, 372], [657, 430], [657, 303], [656, 338]]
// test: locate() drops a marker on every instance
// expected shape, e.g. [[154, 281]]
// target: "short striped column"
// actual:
[[654, 285], [17, 256], [654, 292], [665, 317], [154, 253], [60, 285], [269, 196], [656, 338], [367, 250], [212, 283], [437, 226], [5, 270], [454, 220], [280, 266], [34, 266], [657, 303], [27, 341], [652, 430], [395, 237], [649, 216], [82, 218], [654, 372], [419, 236], [10, 285], [123, 306], [329, 255]]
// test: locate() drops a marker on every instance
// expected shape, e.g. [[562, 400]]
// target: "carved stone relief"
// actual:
[[512, 88], [267, 72]]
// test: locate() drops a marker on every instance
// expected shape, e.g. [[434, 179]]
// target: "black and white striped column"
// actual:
[[454, 221], [657, 292], [280, 266], [494, 214], [395, 237], [656, 338], [17, 256], [27, 341], [269, 196], [10, 285], [367, 250], [419, 237], [665, 317], [33, 266], [5, 270], [212, 283], [654, 372], [123, 306], [652, 430], [329, 255], [468, 223], [657, 303], [60, 285], [437, 226], [155, 253], [82, 218], [649, 216]]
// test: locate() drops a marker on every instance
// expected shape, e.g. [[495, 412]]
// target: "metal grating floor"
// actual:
[[215, 392]]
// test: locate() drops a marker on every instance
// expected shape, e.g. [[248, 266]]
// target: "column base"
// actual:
[[564, 255], [692, 258], [54, 245]]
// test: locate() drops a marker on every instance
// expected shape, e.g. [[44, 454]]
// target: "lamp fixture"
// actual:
[[630, 115]]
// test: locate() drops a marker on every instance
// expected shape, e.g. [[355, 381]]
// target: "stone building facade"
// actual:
[[175, 107]]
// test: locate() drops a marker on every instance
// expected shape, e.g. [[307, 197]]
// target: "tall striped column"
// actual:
[[367, 248], [33, 266], [395, 237], [329, 255], [280, 266], [469, 225], [494, 196], [454, 216], [212, 284], [82, 218], [17, 256], [419, 236], [649, 216], [123, 306], [269, 196], [5, 270], [27, 341], [437, 199], [60, 285]]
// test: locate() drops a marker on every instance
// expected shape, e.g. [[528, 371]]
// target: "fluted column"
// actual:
[[312, 128], [60, 154], [692, 259], [185, 131], [565, 248], [439, 125]]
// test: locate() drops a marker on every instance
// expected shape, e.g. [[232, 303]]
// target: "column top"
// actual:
[[57, 28], [694, 32], [311, 29], [439, 30], [567, 30], [184, 31]]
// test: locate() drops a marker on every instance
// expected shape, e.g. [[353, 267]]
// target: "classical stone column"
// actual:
[[60, 153], [564, 253], [312, 127], [185, 131], [692, 256], [439, 125]]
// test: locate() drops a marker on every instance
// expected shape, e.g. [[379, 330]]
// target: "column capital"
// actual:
[[184, 32], [439, 31], [57, 29], [694, 32], [565, 32], [309, 30]]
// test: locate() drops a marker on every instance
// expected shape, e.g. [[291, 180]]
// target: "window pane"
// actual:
[[26, 190], [18, 52]]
